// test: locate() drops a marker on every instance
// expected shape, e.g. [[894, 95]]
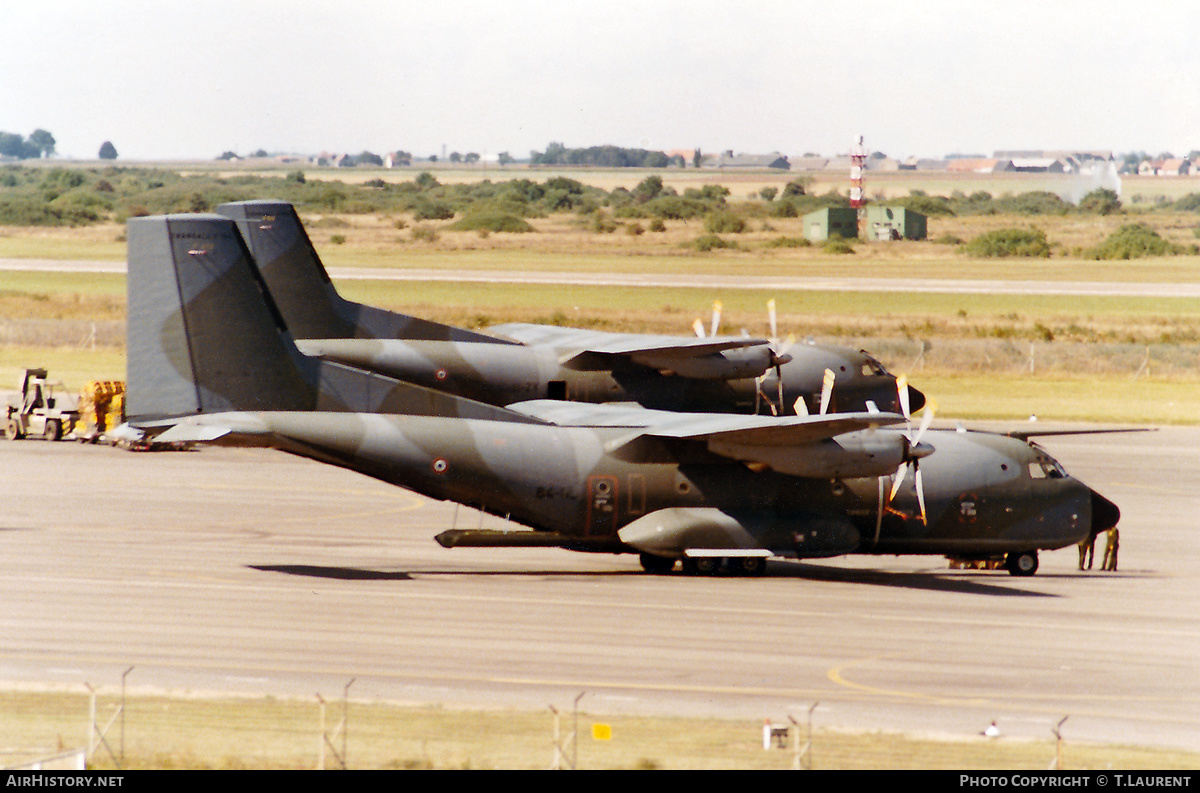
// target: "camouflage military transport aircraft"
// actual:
[[211, 360], [716, 374]]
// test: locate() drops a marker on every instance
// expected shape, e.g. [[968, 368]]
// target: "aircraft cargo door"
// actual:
[[602, 506]]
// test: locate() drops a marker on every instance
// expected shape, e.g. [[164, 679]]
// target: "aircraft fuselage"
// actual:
[[984, 494], [502, 374]]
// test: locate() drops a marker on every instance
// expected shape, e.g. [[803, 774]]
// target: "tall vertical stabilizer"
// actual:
[[202, 334], [301, 286]]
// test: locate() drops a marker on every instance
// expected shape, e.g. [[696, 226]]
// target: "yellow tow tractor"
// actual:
[[43, 409]]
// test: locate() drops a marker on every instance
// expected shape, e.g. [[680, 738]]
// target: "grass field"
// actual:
[[981, 356], [271, 733]]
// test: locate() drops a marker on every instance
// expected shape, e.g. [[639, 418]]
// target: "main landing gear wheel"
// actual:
[[701, 565], [1023, 564], [746, 565], [658, 565]]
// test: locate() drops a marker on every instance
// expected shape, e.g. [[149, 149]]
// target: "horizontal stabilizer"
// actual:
[[218, 428], [490, 538]]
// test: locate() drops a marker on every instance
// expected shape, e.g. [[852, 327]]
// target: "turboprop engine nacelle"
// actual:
[[735, 364], [847, 456]]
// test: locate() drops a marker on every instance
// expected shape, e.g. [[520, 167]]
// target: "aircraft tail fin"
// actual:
[[205, 336], [301, 286], [201, 338]]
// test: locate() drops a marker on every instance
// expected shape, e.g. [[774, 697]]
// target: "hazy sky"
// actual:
[[927, 77]]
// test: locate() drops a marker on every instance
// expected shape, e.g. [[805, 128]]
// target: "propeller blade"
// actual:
[[902, 393], [897, 483], [926, 420], [920, 493], [915, 455], [800, 407], [716, 317], [827, 390], [698, 326], [771, 319]]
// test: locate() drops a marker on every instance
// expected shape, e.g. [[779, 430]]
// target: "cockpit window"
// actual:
[[871, 366], [1046, 468]]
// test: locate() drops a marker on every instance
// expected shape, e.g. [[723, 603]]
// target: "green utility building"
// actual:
[[894, 223], [831, 222]]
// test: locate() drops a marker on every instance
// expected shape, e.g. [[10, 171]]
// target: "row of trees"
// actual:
[[40, 143], [603, 157], [369, 158], [51, 196], [555, 154], [1130, 161]]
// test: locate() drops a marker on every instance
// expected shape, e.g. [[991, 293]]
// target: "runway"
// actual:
[[697, 280], [227, 570]]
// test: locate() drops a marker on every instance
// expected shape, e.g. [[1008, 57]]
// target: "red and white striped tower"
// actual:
[[858, 163]]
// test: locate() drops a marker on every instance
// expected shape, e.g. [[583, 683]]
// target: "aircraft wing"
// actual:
[[713, 358], [1025, 435], [837, 445], [766, 430]]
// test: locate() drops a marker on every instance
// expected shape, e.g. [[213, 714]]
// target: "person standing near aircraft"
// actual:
[[1110, 550], [1087, 551]]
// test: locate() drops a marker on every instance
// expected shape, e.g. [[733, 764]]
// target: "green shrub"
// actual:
[[1100, 202], [670, 207], [21, 211], [723, 222], [930, 206], [424, 209], [784, 209], [789, 242], [1036, 202], [1010, 242], [837, 245], [1133, 241], [1189, 203], [603, 224], [492, 221], [424, 233], [711, 242], [797, 187]]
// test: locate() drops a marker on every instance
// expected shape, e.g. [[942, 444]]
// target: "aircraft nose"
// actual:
[[916, 400], [1105, 514]]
